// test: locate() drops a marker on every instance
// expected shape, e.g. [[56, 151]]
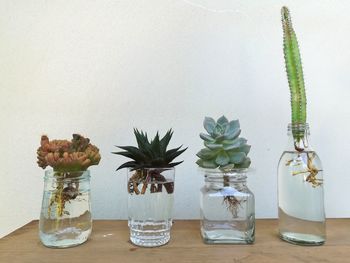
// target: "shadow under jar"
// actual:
[[227, 208], [150, 205], [65, 218]]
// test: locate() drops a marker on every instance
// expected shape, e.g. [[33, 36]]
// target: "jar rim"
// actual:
[[233, 178], [233, 171], [66, 174], [153, 168]]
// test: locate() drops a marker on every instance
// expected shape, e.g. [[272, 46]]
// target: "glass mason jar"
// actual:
[[65, 218], [301, 213], [150, 205], [227, 208]]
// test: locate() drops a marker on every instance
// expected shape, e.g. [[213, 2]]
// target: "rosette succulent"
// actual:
[[224, 149]]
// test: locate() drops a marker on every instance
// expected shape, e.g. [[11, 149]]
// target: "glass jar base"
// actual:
[[228, 232], [149, 233], [227, 237], [149, 238], [302, 239], [62, 239]]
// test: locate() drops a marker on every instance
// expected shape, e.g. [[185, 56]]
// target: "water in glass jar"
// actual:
[[150, 217], [225, 222], [71, 228], [300, 198]]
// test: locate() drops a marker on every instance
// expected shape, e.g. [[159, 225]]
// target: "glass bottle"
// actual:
[[227, 208], [150, 205], [301, 213], [65, 218]]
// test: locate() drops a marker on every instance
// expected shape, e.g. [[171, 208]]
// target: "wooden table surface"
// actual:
[[110, 243]]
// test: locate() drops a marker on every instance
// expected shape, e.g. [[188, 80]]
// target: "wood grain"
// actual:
[[110, 243]]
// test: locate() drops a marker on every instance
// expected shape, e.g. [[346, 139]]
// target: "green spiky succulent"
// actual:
[[149, 160], [150, 154], [294, 71], [224, 149]]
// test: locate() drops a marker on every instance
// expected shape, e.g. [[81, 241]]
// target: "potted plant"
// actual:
[[65, 218], [227, 205], [300, 179], [150, 185]]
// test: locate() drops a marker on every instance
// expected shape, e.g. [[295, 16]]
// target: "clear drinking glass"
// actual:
[[65, 218], [150, 205], [300, 191], [227, 208]]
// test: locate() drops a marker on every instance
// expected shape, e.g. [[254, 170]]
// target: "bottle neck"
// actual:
[[298, 137]]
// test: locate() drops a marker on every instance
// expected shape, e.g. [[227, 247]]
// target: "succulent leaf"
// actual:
[[213, 146], [207, 164], [222, 120], [126, 154], [209, 125], [233, 135], [220, 138], [219, 130], [165, 141], [222, 158], [157, 161], [244, 164], [239, 142], [237, 157], [174, 164], [155, 144], [127, 164], [143, 143], [227, 142], [245, 148], [232, 127], [134, 151], [206, 137], [173, 153], [206, 154]]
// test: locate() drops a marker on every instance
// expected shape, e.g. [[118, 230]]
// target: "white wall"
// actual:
[[102, 67]]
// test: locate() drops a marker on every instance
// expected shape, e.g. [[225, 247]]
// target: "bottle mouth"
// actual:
[[298, 129], [298, 126]]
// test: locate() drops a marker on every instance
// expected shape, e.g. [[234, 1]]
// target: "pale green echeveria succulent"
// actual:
[[224, 149]]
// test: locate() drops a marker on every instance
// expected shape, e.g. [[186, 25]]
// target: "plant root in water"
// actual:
[[153, 177], [232, 204], [311, 170], [63, 195]]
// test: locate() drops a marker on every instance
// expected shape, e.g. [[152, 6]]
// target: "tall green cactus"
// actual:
[[294, 71]]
